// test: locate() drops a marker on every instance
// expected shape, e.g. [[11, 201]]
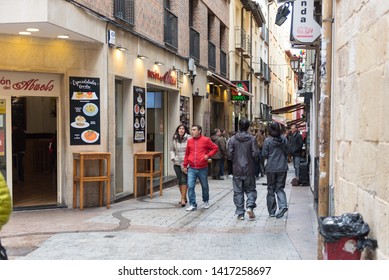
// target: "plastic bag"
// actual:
[[347, 225]]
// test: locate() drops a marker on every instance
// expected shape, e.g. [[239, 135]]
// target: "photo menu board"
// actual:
[[84, 111], [139, 114]]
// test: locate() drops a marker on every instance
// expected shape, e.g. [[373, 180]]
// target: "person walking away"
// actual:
[[5, 210], [199, 149], [18, 149], [260, 138], [275, 150], [177, 154], [218, 139], [243, 152], [296, 149]]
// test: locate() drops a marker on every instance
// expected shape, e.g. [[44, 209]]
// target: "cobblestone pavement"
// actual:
[[159, 228]]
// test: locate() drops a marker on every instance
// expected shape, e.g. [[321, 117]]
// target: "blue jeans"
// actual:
[[296, 164], [202, 175]]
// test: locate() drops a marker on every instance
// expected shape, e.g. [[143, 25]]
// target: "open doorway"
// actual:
[[34, 151]]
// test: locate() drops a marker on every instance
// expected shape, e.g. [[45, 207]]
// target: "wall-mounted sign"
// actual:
[[170, 76], [17, 83], [304, 27], [235, 95], [139, 114], [84, 111]]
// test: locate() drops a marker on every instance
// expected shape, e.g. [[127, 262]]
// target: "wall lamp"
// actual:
[[121, 48], [142, 56], [158, 63], [282, 13]]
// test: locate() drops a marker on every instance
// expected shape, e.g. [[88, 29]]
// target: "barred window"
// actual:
[[125, 10]]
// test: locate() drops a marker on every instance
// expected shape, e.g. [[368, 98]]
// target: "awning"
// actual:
[[228, 83], [220, 79], [288, 109], [279, 119], [298, 122]]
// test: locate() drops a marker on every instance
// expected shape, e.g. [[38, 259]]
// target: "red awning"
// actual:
[[288, 109]]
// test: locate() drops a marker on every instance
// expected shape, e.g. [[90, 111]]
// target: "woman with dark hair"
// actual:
[[275, 150], [177, 154]]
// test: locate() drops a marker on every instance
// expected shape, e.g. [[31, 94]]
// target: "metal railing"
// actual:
[[194, 44], [125, 10], [211, 56], [171, 29]]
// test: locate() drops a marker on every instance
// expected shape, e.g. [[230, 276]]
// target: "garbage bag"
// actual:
[[347, 225]]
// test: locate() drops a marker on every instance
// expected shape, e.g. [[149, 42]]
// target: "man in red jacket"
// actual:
[[198, 150]]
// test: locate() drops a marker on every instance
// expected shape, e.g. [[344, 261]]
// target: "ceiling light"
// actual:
[[141, 56], [24, 33], [32, 29], [63, 36]]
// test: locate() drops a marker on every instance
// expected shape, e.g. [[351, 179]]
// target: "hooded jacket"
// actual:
[[5, 202], [275, 150], [196, 149], [243, 151]]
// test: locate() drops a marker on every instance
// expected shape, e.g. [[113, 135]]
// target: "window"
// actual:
[[124, 10]]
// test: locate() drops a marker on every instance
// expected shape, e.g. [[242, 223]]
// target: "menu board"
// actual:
[[184, 110], [84, 111], [139, 114]]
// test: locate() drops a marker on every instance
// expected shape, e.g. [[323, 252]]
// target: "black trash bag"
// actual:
[[347, 225]]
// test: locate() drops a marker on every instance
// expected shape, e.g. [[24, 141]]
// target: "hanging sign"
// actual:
[[305, 29]]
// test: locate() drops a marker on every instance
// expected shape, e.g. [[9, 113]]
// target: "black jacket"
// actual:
[[243, 151], [296, 144]]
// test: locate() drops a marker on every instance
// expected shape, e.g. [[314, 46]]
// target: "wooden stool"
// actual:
[[148, 173], [81, 178]]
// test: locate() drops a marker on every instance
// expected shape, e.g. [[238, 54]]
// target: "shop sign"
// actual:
[[244, 85], [170, 77], [139, 114], [84, 111], [16, 83], [305, 29]]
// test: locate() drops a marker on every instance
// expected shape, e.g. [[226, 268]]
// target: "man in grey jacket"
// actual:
[[243, 151]]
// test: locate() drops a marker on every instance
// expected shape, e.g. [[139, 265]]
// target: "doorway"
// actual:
[[34, 151]]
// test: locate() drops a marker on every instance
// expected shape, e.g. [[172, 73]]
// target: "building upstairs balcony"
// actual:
[[240, 39]]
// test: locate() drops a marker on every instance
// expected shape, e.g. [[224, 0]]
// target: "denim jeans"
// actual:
[[296, 164], [202, 175], [275, 187]]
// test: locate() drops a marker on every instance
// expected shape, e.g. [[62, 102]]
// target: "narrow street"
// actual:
[[159, 228]]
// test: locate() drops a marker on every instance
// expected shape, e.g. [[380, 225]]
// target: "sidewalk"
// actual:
[[159, 228]]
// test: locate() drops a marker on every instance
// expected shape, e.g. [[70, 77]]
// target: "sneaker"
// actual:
[[191, 208], [241, 217], [250, 212], [272, 214], [281, 213], [230, 176], [206, 205]]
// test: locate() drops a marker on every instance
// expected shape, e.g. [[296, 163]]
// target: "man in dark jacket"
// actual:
[[243, 151], [275, 150], [219, 140], [296, 149]]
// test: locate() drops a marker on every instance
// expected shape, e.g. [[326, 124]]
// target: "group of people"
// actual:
[[246, 154]]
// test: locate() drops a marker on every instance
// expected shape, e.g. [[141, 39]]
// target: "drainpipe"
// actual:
[[251, 66], [325, 115]]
